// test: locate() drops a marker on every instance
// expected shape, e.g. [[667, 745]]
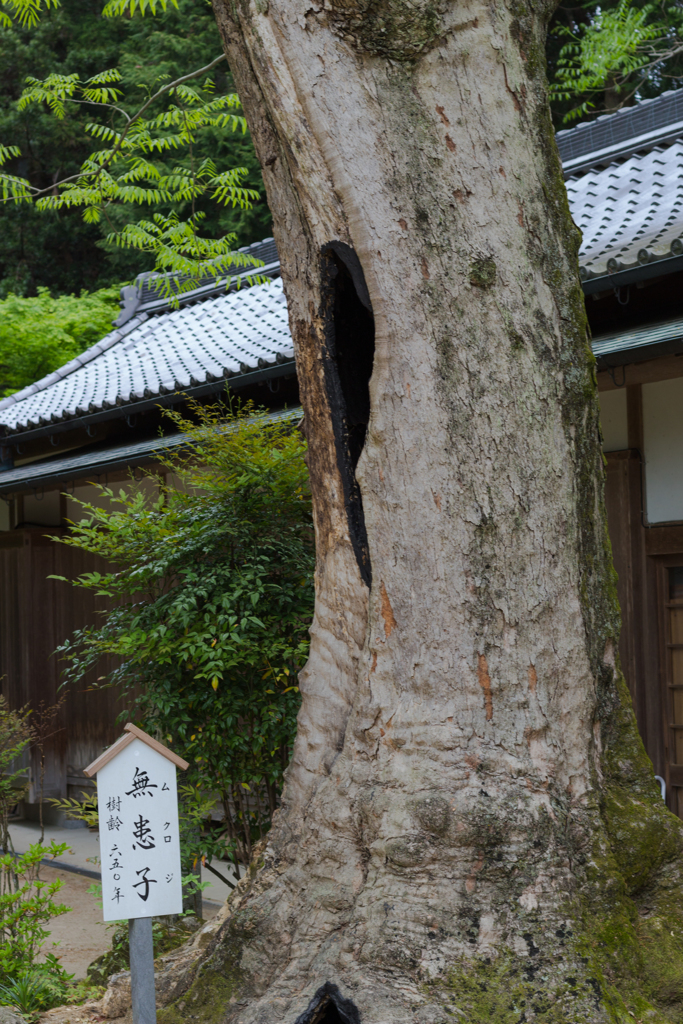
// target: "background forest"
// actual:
[[600, 57], [57, 249]]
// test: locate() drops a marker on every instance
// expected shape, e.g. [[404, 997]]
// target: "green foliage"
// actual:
[[183, 253], [84, 810], [15, 736], [81, 991], [211, 597], [164, 936], [118, 8], [26, 905], [125, 170], [610, 54], [40, 334], [38, 990], [66, 53], [26, 12], [28, 994]]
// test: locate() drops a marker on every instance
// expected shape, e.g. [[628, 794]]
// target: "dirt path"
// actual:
[[81, 934]]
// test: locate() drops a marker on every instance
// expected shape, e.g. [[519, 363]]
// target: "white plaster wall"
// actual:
[[663, 444], [613, 420]]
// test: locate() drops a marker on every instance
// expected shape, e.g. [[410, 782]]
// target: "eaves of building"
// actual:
[[95, 465]]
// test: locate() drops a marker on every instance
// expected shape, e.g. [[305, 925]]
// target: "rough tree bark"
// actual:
[[470, 829]]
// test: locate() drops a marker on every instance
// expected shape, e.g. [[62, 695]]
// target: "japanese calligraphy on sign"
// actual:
[[139, 842]]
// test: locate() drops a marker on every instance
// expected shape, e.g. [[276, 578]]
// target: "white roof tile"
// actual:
[[167, 351], [629, 212]]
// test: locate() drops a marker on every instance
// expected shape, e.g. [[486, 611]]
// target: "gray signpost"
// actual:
[[137, 799]]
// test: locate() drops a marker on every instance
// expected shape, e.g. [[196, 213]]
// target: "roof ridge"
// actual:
[[563, 132], [137, 297], [76, 363], [242, 334], [640, 127]]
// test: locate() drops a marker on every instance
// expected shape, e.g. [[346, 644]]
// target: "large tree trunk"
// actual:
[[470, 828]]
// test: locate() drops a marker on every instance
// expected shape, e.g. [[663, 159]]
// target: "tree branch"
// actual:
[[37, 193], [96, 103], [219, 875], [173, 85]]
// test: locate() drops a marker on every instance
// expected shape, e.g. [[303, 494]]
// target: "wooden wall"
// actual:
[[36, 615], [638, 645], [641, 555]]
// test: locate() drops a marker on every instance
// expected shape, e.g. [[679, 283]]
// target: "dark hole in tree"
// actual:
[[354, 329], [330, 1015], [328, 1006], [349, 358]]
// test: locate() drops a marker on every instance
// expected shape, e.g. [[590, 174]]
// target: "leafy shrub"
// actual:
[[212, 596], [29, 994], [83, 809], [165, 937], [27, 903]]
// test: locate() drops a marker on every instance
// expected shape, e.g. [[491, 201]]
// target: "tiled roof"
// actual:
[[630, 212], [639, 343], [152, 355], [143, 297]]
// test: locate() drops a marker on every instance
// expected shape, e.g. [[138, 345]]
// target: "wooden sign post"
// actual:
[[137, 800]]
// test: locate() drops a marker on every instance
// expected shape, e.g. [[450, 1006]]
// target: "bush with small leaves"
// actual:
[[27, 903], [212, 596]]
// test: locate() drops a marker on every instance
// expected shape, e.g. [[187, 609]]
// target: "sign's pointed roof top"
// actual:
[[132, 733]]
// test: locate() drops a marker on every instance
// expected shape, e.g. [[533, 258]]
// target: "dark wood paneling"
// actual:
[[664, 540], [621, 467], [637, 592], [36, 615]]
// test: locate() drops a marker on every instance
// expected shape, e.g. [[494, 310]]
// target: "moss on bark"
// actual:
[[206, 1000], [218, 983]]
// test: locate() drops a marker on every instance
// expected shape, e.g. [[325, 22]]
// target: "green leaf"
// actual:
[[184, 570], [39, 334], [619, 47], [25, 12], [118, 8]]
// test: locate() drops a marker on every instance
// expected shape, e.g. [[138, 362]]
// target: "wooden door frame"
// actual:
[[673, 773]]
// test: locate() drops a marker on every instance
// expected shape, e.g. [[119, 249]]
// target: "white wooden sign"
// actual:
[[139, 842]]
